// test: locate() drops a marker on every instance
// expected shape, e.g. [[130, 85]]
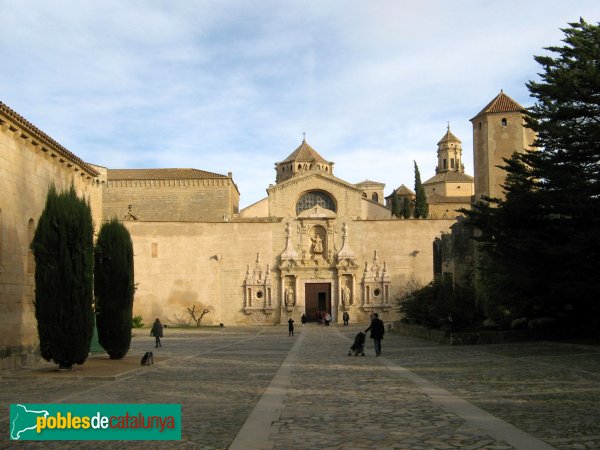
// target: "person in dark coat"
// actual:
[[291, 327], [303, 319], [346, 318], [377, 332], [157, 332]]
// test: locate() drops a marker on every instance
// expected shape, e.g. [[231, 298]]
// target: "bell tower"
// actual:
[[449, 154], [498, 132]]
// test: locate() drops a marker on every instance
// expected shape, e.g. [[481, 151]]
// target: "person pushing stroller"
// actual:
[[359, 344]]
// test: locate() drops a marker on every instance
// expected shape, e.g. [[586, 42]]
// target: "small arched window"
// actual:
[[375, 197], [504, 122], [444, 164]]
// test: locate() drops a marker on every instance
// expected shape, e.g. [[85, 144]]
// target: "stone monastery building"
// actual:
[[316, 242]]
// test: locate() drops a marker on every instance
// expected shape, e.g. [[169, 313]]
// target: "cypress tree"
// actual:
[[421, 207], [406, 208], [63, 249], [396, 211], [114, 288]]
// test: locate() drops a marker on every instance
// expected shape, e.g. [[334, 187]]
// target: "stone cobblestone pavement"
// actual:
[[221, 377]]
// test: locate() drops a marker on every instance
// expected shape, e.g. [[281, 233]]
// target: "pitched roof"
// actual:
[[305, 153], [402, 191], [160, 174], [501, 103], [449, 176], [369, 183], [32, 129], [449, 137]]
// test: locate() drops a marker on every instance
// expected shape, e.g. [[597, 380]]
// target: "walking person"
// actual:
[[346, 318], [157, 332], [303, 319], [291, 327], [377, 332]]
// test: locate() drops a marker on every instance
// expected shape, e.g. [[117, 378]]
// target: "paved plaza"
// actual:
[[255, 388]]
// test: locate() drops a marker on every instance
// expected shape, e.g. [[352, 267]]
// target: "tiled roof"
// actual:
[[160, 174], [448, 137], [32, 129], [501, 103], [369, 183], [454, 177], [305, 153], [402, 191]]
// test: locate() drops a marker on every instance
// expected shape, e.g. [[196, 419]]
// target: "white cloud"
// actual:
[[232, 85]]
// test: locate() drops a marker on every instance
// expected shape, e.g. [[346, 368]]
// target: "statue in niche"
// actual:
[[289, 296], [346, 296], [317, 244]]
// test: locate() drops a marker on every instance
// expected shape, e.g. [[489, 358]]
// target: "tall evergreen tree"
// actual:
[[405, 208], [544, 239], [63, 249], [114, 288], [396, 211], [421, 207]]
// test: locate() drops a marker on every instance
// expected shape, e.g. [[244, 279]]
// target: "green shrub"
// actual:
[[439, 305], [137, 322]]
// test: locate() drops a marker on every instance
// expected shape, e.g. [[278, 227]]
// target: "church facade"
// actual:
[[315, 243]]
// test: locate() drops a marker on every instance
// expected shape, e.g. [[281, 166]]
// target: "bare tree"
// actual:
[[197, 316]]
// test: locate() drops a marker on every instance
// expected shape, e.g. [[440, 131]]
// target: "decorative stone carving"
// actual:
[[376, 286], [289, 252], [290, 299], [318, 238], [346, 296], [317, 244], [346, 258], [258, 289]]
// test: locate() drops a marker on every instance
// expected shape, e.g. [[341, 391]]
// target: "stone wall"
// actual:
[[30, 162], [211, 199], [178, 265]]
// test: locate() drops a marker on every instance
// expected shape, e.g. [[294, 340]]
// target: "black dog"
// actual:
[[147, 359]]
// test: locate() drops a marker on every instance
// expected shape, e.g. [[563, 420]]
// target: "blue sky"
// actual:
[[232, 85]]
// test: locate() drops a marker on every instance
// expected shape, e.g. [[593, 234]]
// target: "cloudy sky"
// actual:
[[223, 85]]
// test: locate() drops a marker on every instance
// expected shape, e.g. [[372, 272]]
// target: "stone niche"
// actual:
[[376, 287], [258, 291]]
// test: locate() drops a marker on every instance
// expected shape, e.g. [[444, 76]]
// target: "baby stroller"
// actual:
[[359, 345]]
